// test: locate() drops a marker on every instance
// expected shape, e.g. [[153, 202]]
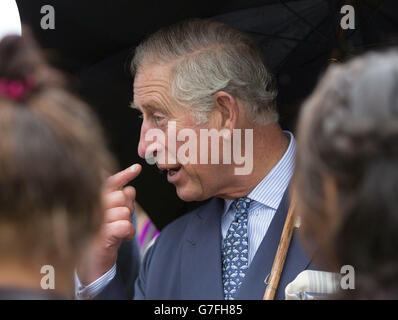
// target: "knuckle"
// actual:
[[116, 214], [124, 228], [133, 191], [125, 212], [120, 195], [116, 199]]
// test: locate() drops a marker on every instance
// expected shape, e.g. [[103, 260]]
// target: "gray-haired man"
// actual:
[[195, 77]]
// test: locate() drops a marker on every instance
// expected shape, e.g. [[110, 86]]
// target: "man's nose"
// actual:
[[143, 144]]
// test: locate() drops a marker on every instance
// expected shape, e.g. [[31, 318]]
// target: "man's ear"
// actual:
[[227, 111]]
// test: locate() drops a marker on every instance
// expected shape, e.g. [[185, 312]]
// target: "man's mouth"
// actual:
[[171, 171]]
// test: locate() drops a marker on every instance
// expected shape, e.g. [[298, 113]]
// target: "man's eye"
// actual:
[[157, 119]]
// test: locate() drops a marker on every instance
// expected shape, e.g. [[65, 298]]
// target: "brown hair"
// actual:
[[52, 159], [347, 172]]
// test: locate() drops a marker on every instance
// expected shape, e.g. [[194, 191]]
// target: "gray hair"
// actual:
[[208, 57]]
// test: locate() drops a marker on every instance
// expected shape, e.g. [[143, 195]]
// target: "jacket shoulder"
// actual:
[[175, 229], [164, 257]]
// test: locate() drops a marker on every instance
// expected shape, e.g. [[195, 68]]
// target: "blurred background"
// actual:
[[93, 42]]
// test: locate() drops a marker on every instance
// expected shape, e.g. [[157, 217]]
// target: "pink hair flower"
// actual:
[[15, 89]]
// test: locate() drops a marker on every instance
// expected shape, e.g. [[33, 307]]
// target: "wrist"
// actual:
[[96, 265]]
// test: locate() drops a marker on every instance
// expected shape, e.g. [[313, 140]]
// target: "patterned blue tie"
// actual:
[[235, 250]]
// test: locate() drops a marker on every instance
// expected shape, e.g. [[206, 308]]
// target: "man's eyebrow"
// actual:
[[149, 106], [134, 106]]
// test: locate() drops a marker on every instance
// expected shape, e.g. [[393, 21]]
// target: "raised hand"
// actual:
[[116, 228]]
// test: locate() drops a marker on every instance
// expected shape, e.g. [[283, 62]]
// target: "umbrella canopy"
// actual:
[[93, 42]]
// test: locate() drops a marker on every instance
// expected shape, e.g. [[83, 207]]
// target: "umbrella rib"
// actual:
[[388, 17], [366, 20], [375, 44], [317, 57], [303, 19], [291, 52], [377, 9], [281, 37]]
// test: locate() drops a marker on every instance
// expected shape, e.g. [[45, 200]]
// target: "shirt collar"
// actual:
[[269, 192]]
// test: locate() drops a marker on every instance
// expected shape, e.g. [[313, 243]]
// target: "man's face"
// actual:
[[193, 182]]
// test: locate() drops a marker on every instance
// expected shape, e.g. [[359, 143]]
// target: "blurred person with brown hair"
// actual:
[[346, 176], [52, 164]]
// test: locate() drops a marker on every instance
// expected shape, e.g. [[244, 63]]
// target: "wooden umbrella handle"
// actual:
[[280, 257]]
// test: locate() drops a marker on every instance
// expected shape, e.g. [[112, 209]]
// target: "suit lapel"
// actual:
[[201, 254], [253, 286]]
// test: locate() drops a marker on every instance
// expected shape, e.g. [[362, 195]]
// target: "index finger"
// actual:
[[120, 179]]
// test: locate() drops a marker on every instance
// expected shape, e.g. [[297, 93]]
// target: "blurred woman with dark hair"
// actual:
[[52, 161], [347, 173]]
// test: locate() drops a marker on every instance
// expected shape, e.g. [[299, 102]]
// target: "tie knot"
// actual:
[[242, 204]]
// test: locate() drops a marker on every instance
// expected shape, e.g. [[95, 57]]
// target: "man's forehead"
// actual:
[[152, 72], [151, 87], [151, 98]]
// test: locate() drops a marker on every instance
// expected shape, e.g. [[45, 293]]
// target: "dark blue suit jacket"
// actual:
[[185, 261]]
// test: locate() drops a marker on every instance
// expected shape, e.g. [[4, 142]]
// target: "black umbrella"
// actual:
[[93, 41]]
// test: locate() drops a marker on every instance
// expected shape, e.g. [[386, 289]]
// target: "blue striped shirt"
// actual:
[[266, 197]]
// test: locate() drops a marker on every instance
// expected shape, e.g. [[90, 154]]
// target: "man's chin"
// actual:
[[189, 195]]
